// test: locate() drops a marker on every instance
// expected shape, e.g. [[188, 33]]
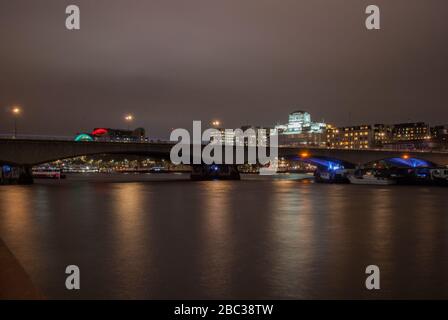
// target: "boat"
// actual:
[[333, 176], [372, 177], [439, 176], [411, 176], [158, 170], [48, 173]]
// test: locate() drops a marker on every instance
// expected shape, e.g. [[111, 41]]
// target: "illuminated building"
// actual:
[[439, 137], [118, 135], [312, 139], [382, 134], [252, 136], [300, 130], [409, 136], [439, 132], [300, 122], [226, 137], [260, 135], [354, 137], [410, 131]]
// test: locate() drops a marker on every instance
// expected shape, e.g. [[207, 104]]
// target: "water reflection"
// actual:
[[218, 241], [293, 234], [228, 239], [131, 208], [19, 210], [380, 224]]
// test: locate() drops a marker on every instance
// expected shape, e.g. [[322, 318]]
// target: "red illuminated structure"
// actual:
[[99, 132], [117, 135]]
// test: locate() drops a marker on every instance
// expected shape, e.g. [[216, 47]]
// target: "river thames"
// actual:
[[165, 237]]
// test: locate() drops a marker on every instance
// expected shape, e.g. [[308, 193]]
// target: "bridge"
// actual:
[[25, 153]]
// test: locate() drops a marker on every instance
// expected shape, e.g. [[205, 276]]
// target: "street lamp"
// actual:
[[216, 123], [304, 154], [129, 119], [15, 113]]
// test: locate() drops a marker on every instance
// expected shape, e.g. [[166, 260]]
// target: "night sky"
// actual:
[[169, 62]]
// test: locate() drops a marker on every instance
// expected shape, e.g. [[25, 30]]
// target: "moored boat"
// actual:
[[333, 176], [48, 173], [439, 176], [371, 177]]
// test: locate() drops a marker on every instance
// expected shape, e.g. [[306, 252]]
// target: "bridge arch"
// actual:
[[35, 152], [405, 161], [324, 162], [130, 153]]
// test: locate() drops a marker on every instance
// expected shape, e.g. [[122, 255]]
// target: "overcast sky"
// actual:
[[169, 62]]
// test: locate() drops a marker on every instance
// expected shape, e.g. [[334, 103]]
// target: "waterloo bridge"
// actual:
[[23, 154]]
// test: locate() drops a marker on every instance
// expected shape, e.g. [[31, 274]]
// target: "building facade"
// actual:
[[300, 130], [300, 122], [382, 134], [439, 137], [409, 136], [252, 136], [354, 137]]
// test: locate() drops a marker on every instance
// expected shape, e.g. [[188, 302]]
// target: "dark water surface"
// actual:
[[255, 238]]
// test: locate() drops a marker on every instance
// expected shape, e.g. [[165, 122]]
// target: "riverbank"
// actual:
[[14, 281]]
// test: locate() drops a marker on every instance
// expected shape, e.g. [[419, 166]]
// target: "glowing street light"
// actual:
[[129, 118], [16, 111], [216, 123], [304, 154]]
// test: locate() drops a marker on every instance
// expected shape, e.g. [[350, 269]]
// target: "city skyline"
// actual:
[[240, 63], [127, 120]]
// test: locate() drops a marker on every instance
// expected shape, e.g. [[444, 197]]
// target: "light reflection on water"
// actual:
[[217, 254], [265, 238]]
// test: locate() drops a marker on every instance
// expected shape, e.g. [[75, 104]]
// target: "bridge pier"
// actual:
[[202, 172], [15, 174]]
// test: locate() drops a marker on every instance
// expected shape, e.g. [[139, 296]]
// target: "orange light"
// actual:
[[405, 156], [304, 154], [16, 110]]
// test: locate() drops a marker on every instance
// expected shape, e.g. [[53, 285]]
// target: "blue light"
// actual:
[[330, 165], [6, 169], [214, 167], [411, 162]]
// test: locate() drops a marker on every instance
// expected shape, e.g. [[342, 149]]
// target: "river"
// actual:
[[162, 236]]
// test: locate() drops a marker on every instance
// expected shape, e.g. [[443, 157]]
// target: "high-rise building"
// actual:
[[300, 122], [300, 130]]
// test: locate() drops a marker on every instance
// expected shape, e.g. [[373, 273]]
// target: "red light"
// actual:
[[99, 132]]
